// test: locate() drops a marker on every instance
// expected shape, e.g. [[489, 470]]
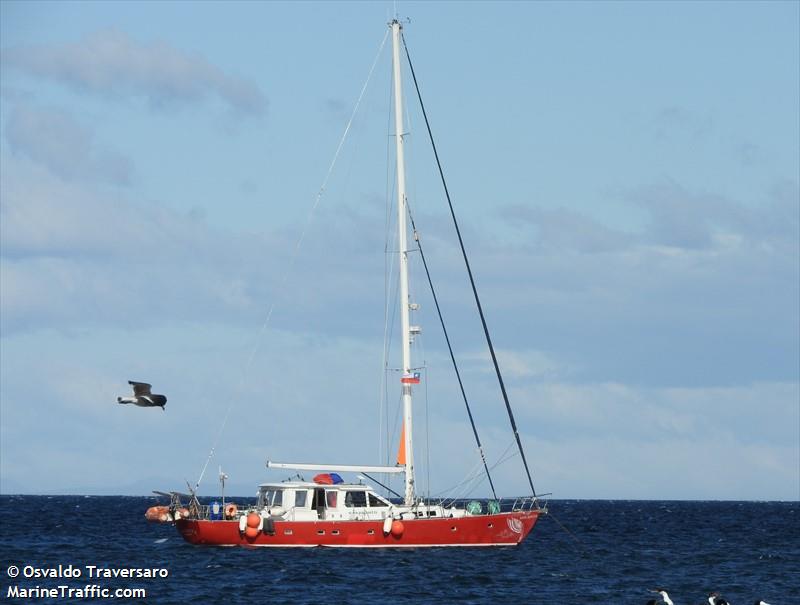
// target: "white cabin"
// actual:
[[306, 501]]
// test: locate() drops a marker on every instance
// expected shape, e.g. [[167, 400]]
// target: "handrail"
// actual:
[[504, 505]]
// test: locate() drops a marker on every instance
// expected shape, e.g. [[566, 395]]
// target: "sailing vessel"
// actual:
[[331, 512]]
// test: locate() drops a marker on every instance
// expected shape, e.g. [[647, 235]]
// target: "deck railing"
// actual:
[[483, 506], [473, 507]]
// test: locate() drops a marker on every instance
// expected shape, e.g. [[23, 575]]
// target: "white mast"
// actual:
[[405, 337]]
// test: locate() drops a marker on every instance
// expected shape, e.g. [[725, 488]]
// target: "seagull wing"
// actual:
[[140, 388]]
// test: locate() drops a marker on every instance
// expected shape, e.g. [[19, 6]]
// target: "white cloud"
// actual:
[[514, 364], [54, 139], [692, 220], [712, 469], [705, 306], [755, 412], [618, 441], [564, 230], [679, 121], [74, 255], [111, 63], [42, 214]]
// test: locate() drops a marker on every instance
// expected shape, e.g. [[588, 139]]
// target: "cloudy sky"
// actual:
[[625, 174]]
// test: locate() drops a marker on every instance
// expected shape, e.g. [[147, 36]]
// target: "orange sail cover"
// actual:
[[401, 450]]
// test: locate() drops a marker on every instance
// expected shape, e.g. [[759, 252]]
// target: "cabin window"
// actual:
[[318, 500], [330, 499], [271, 496], [375, 501], [300, 498], [355, 499]]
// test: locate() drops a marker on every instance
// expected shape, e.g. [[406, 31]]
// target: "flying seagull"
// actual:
[[143, 397]]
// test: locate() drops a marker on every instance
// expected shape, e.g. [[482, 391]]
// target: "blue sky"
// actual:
[[626, 176]]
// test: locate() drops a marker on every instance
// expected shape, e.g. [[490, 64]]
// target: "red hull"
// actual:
[[503, 529]]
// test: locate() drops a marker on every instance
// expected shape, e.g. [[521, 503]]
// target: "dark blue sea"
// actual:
[[614, 552]]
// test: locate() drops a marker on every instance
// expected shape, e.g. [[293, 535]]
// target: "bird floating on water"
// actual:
[[143, 397], [664, 596], [714, 598]]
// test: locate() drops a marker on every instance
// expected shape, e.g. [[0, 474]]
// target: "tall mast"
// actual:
[[403, 254]]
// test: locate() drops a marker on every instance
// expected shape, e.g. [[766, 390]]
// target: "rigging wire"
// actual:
[[473, 475], [427, 436], [468, 478], [391, 293], [388, 268], [450, 348], [471, 278], [291, 263], [504, 457]]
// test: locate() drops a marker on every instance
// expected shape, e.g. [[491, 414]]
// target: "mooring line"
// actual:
[[578, 541]]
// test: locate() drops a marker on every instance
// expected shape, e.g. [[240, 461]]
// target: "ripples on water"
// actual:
[[744, 550]]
